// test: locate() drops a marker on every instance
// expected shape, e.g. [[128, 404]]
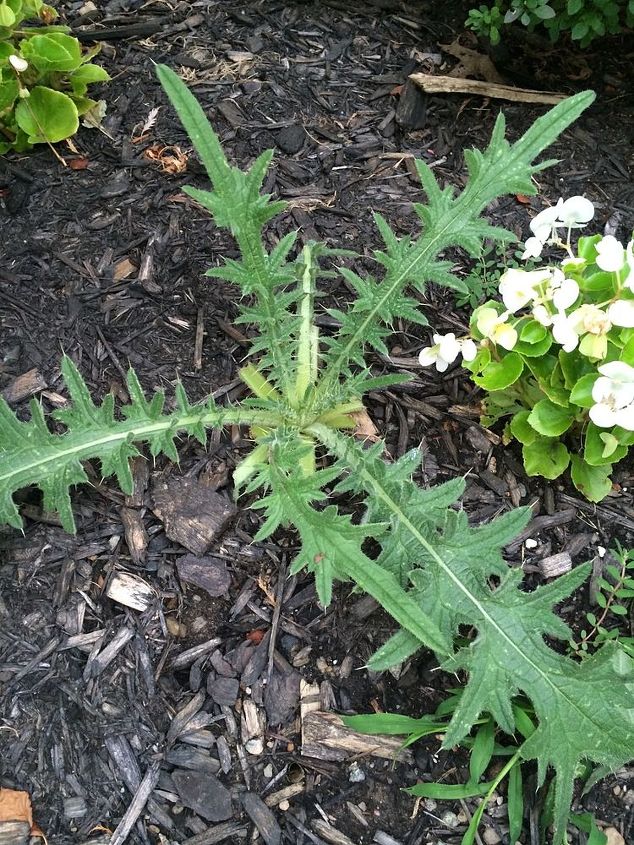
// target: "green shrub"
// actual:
[[44, 77], [585, 20], [556, 354]]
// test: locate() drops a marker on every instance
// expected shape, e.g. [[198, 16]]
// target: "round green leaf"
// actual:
[[587, 247], [7, 18], [581, 393], [47, 115], [536, 349], [499, 375], [593, 482], [8, 94], [54, 52], [573, 366], [532, 332], [594, 450], [600, 283], [546, 457], [549, 419], [521, 428], [86, 75]]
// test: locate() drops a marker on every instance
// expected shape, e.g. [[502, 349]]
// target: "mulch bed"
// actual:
[[155, 669]]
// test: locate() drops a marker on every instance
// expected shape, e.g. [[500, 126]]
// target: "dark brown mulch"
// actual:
[[188, 701]]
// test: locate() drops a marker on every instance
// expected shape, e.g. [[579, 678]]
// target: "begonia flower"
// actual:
[[613, 395], [532, 248], [610, 254], [564, 332], [494, 327], [518, 287], [621, 313], [445, 350]]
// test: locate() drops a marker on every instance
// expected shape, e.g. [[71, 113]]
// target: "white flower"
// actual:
[[610, 254], [468, 348], [613, 394], [532, 248], [571, 213], [18, 63], [565, 293], [590, 318], [575, 212], [518, 287], [542, 315], [494, 326], [628, 281], [565, 332], [445, 351], [621, 313], [543, 224]]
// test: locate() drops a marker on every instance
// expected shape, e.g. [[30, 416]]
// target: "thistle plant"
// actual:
[[434, 572], [555, 354]]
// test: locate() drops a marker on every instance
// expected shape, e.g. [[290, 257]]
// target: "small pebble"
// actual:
[[450, 819], [530, 543], [357, 775], [490, 836], [254, 746], [284, 805], [268, 771]]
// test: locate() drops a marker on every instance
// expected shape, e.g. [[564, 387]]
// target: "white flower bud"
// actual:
[[18, 63]]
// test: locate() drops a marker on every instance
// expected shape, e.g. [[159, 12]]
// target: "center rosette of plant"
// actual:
[[555, 354]]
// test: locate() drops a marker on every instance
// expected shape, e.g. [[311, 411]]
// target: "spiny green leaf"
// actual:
[[31, 454], [583, 710]]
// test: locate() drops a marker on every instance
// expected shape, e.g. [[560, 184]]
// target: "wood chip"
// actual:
[[284, 794], [192, 513], [262, 818], [131, 591], [325, 736], [203, 793], [136, 536], [146, 787], [252, 727], [554, 565], [28, 384], [123, 269], [218, 833], [208, 573], [330, 833]]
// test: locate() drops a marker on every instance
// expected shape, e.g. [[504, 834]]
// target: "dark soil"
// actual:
[[104, 259]]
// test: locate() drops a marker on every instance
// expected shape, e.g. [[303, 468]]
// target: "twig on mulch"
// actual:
[[432, 84]]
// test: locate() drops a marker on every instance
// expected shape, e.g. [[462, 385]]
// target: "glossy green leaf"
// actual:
[[592, 481], [481, 751], [549, 419], [52, 52], [546, 457], [515, 803], [47, 116], [521, 429], [595, 452], [581, 393], [499, 375]]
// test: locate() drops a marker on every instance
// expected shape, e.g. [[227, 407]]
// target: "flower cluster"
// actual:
[[556, 350]]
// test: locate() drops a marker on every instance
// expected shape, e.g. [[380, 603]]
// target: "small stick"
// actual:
[[452, 85], [198, 343]]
